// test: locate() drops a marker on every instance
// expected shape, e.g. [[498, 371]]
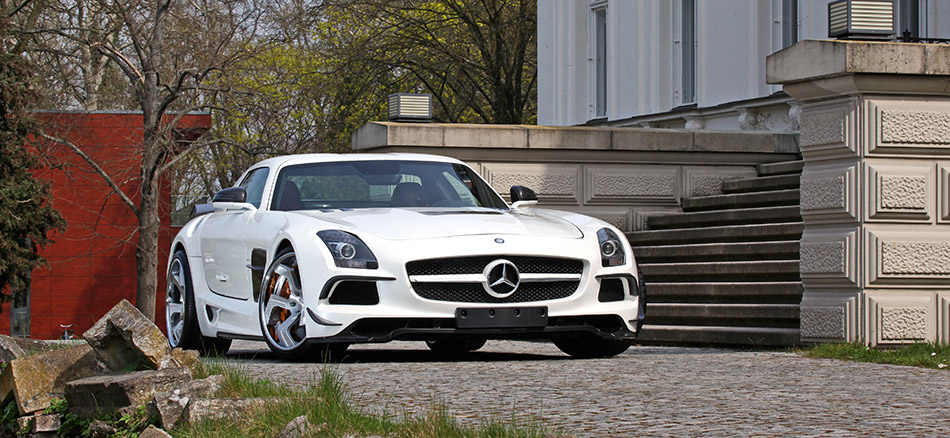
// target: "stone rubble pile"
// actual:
[[123, 362]]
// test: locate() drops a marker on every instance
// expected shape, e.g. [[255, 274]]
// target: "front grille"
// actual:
[[475, 293], [475, 265]]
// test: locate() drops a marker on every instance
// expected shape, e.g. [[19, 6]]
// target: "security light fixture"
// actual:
[[410, 107], [862, 19]]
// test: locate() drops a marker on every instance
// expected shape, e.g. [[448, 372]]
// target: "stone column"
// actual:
[[875, 192]]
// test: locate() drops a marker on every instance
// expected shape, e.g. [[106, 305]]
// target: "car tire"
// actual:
[[453, 346], [588, 346], [181, 315], [281, 314]]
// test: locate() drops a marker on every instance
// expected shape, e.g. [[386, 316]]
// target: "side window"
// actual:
[[254, 185]]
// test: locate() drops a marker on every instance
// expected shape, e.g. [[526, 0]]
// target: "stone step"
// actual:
[[777, 292], [769, 270], [733, 314], [730, 233], [761, 184], [781, 168], [741, 216], [708, 252], [742, 200], [716, 335]]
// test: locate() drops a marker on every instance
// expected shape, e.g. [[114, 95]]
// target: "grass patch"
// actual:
[[922, 355], [330, 413]]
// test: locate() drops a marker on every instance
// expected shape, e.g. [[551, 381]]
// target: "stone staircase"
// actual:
[[725, 271]]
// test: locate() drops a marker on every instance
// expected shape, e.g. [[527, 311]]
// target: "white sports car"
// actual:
[[311, 253]]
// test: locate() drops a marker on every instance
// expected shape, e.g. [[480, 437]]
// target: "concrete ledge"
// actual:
[[376, 135], [816, 59]]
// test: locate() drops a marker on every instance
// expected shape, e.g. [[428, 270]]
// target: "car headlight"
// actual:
[[348, 250], [611, 250]]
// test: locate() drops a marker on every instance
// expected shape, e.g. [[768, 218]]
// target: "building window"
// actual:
[[20, 309], [599, 58], [789, 22], [688, 51]]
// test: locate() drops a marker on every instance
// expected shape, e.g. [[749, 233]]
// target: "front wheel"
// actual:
[[181, 316], [282, 314], [588, 346]]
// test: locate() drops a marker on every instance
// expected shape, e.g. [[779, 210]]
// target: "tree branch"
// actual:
[[115, 188]]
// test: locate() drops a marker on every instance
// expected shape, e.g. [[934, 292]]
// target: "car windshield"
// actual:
[[380, 184]]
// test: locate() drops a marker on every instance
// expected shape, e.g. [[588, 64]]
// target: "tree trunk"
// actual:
[[146, 254]]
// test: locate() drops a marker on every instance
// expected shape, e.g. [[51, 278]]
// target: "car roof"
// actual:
[[327, 158]]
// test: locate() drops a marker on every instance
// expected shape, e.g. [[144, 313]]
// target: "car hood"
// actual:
[[427, 223]]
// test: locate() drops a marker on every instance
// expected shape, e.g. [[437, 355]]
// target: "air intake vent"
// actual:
[[867, 19], [410, 107]]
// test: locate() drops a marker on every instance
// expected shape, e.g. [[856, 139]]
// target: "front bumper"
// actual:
[[394, 309], [423, 329]]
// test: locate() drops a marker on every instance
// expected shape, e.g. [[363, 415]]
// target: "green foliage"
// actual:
[[131, 425], [27, 214], [57, 406], [8, 415], [925, 355]]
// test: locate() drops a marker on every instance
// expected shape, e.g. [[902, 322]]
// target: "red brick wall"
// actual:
[[92, 264]]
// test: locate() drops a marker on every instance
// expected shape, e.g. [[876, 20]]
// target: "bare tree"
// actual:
[[477, 57], [171, 54]]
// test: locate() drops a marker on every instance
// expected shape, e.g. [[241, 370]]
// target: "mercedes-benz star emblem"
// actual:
[[501, 278]]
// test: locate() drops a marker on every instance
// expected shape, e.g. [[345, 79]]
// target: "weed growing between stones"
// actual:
[[8, 416], [924, 355], [325, 403]]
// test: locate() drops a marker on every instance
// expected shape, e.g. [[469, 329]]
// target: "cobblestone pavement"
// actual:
[[647, 391]]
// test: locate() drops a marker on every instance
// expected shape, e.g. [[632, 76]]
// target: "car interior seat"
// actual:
[[290, 198], [408, 194]]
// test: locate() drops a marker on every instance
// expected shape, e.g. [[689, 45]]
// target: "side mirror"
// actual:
[[522, 197], [230, 194], [232, 198]]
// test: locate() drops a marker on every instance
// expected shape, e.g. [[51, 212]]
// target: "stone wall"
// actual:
[[618, 174], [875, 136]]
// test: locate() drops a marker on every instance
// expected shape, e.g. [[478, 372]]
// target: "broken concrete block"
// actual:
[[296, 428], [38, 379], [47, 423], [126, 340], [121, 393], [167, 407], [154, 432], [101, 429], [24, 425], [13, 347], [200, 409], [188, 358]]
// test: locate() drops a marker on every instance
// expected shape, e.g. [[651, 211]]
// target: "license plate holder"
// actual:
[[501, 317]]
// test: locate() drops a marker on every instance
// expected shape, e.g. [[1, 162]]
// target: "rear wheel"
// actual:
[[181, 316], [588, 346], [282, 314], [449, 346]]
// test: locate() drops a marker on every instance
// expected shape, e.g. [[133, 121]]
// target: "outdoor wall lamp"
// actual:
[[410, 107]]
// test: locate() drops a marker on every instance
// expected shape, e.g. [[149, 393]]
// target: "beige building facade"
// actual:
[[875, 190]]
